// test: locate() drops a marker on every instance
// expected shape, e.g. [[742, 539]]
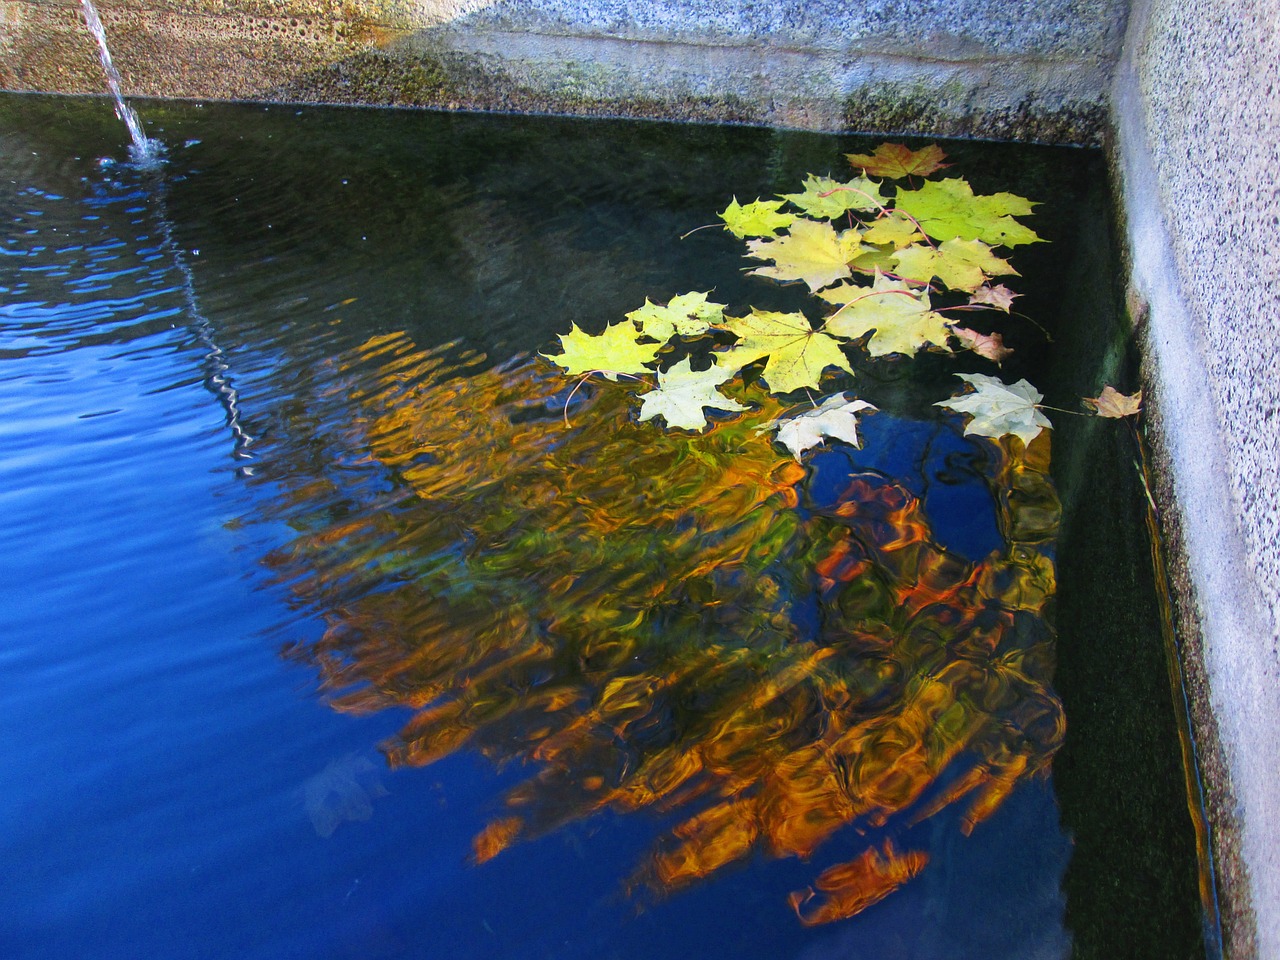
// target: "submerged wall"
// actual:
[[1197, 117], [1022, 69]]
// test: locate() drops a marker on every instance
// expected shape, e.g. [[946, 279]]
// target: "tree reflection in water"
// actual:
[[671, 621]]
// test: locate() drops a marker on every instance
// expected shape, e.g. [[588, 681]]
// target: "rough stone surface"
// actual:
[[997, 68], [1197, 114]]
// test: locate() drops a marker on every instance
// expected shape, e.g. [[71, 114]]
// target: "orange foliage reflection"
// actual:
[[656, 620]]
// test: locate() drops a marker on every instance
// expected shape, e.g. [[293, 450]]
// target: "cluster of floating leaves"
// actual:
[[881, 260], [668, 621]]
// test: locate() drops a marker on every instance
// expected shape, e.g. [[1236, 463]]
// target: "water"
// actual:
[[289, 510]]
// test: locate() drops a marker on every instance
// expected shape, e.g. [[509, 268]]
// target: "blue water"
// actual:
[[173, 787]]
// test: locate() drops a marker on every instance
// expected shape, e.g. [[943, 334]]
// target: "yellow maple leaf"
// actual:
[[895, 228], [960, 264], [797, 353], [611, 353], [900, 319], [809, 251]]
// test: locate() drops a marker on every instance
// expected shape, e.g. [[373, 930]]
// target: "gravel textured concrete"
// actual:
[[1197, 114], [997, 68]]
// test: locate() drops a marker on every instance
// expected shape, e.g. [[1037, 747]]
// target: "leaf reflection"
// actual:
[[668, 622]]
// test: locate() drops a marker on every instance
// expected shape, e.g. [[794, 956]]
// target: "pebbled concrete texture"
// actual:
[[998, 68], [1197, 119]]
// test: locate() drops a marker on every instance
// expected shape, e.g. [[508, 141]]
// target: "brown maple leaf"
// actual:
[[1114, 404], [999, 296], [986, 345], [896, 161]]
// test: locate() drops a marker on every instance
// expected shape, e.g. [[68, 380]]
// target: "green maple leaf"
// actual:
[[683, 393], [902, 319], [836, 418], [826, 198], [810, 251], [613, 352], [688, 314], [797, 353], [946, 209], [895, 160], [760, 218], [960, 264], [896, 228], [999, 409]]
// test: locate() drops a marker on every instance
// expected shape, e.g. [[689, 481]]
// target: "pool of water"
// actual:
[[339, 625]]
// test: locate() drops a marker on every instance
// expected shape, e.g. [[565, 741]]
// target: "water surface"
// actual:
[[339, 625]]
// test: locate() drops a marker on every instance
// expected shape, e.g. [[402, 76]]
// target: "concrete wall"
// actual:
[[1030, 69], [1197, 119]]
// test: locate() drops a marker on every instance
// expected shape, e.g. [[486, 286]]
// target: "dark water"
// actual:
[[337, 625]]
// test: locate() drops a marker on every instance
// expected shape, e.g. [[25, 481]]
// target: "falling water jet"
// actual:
[[144, 151]]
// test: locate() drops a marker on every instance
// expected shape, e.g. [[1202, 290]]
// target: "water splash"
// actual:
[[144, 151]]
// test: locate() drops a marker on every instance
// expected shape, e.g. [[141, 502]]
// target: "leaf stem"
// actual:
[[705, 226], [1074, 413]]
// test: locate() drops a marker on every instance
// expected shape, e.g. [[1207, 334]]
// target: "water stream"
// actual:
[[143, 150]]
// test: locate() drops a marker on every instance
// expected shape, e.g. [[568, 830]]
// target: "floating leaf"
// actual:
[[810, 251], [989, 345], [1114, 404], [896, 161], [688, 314], [797, 353], [896, 228], [872, 259], [902, 318], [835, 418], [683, 393], [760, 218], [960, 264], [999, 296], [999, 409], [947, 209], [613, 352], [826, 198]]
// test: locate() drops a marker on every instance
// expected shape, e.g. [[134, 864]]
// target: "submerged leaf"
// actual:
[[999, 409], [947, 209], [613, 352], [896, 161], [835, 418], [683, 393], [902, 318], [688, 314], [797, 353], [810, 251], [1114, 404], [826, 198], [760, 218]]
